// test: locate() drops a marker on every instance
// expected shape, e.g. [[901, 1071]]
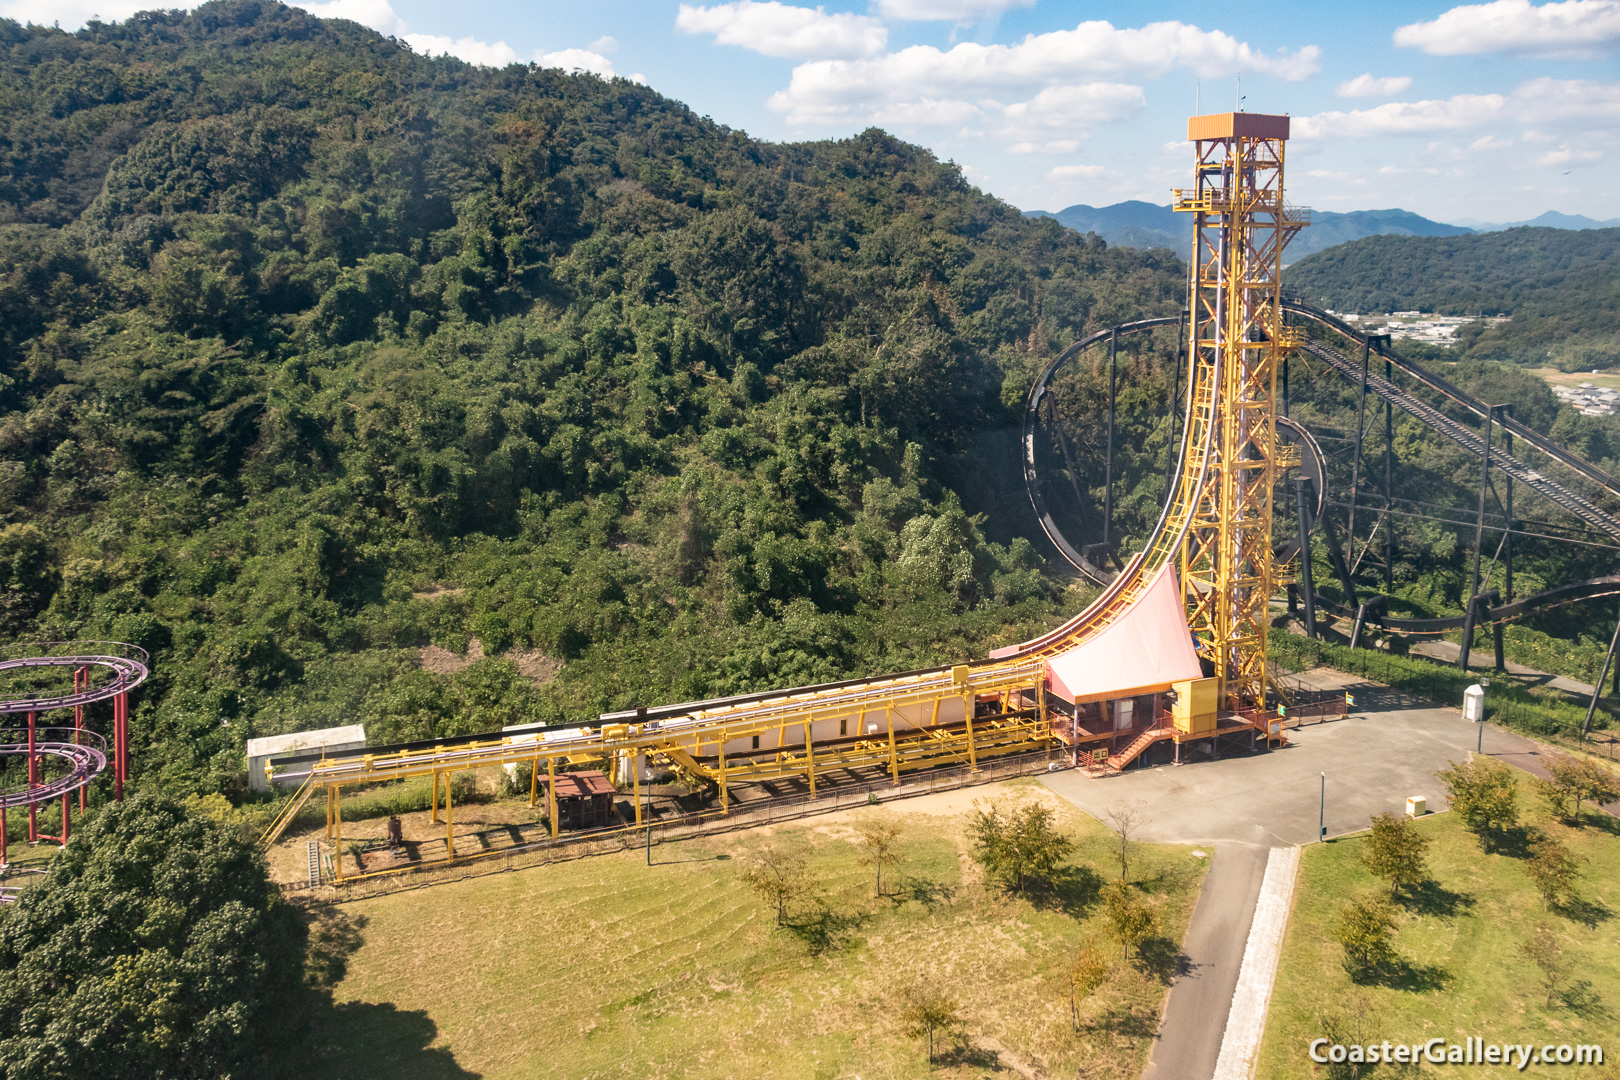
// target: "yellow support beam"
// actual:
[[449, 819], [810, 758], [551, 794]]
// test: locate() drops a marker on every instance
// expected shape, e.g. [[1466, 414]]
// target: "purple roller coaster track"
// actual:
[[101, 671]]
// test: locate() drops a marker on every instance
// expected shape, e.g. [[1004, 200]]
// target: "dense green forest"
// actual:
[[1561, 287], [315, 353], [363, 387]]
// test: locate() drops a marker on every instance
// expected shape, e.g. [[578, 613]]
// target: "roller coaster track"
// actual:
[[1556, 493], [1551, 490], [910, 720], [83, 751], [1479, 408]]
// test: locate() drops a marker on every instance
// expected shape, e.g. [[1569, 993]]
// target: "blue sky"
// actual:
[[1495, 111]]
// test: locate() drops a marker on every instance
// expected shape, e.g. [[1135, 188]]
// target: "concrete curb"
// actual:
[[1246, 1023]]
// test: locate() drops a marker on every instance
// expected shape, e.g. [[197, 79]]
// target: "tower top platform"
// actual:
[[1233, 124]]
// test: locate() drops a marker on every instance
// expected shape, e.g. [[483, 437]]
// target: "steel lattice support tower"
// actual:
[[1236, 340]]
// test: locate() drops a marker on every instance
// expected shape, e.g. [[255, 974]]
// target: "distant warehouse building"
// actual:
[[324, 740]]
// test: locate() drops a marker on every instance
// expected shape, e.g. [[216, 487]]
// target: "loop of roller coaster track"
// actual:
[[1547, 599], [84, 751], [129, 670]]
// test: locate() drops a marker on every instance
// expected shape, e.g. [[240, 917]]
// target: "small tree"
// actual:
[[1124, 820], [1396, 852], [1017, 847], [1541, 948], [779, 878], [1579, 780], [155, 945], [928, 1009], [879, 845], [1364, 929], [1086, 975], [1485, 794], [1128, 916], [1553, 869]]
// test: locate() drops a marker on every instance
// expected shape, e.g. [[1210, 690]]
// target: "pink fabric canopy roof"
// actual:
[[1146, 649]]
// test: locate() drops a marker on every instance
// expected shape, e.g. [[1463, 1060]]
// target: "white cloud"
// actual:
[[854, 91], [1570, 27], [470, 49], [946, 10], [1568, 105], [1565, 155], [74, 13], [1369, 86], [776, 29], [1064, 108], [1054, 146], [1075, 172], [577, 60], [377, 14], [604, 44], [1405, 117]]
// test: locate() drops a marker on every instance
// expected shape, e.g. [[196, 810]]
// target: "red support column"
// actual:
[[5, 824], [33, 777], [81, 683], [64, 837], [120, 744]]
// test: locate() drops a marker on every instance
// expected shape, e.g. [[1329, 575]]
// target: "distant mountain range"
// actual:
[[1142, 224], [1552, 219]]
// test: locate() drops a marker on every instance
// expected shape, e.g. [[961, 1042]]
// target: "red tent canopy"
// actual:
[[1142, 652]]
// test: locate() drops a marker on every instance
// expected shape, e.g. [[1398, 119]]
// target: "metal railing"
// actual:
[[845, 796]]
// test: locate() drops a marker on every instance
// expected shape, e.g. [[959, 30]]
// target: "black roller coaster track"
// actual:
[[1574, 504]]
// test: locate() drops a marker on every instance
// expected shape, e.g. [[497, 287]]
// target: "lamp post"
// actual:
[[1321, 812]]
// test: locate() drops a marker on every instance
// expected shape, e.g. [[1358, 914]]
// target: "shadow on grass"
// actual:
[[1599, 820], [1433, 898], [1589, 913], [1579, 999], [1514, 842], [826, 930], [962, 1050], [1124, 1021], [1402, 974], [358, 1040], [1071, 889], [1162, 960], [930, 894]]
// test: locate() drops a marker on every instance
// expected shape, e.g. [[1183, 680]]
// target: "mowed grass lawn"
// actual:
[[1466, 975], [606, 967]]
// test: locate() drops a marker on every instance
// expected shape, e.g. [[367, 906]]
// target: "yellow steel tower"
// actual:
[[1236, 339]]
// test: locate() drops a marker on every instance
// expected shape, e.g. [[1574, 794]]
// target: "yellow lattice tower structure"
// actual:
[[1236, 339]]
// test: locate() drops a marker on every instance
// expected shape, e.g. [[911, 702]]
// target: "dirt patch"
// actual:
[[444, 662], [536, 665], [433, 592]]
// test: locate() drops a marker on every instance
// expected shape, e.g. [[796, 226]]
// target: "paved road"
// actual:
[[1199, 1002], [1243, 806]]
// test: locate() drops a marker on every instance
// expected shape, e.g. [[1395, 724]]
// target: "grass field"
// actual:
[[1464, 975], [606, 967]]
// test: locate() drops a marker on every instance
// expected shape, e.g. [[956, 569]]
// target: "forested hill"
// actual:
[[1561, 287], [319, 359]]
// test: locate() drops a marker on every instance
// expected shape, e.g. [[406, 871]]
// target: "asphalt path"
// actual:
[[1339, 772], [1198, 1004]]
